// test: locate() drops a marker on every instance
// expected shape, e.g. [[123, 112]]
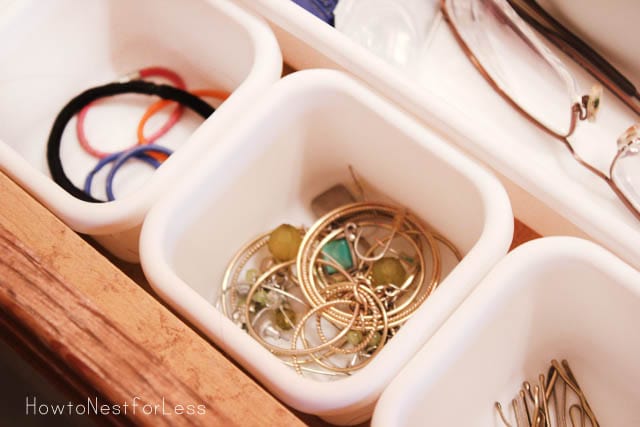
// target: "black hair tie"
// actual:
[[79, 102]]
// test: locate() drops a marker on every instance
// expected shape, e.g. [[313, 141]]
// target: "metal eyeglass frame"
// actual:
[[579, 110], [578, 50]]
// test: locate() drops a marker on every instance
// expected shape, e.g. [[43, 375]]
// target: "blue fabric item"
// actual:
[[323, 9]]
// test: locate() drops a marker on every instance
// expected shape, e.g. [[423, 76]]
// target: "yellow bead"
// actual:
[[260, 297], [375, 339], [251, 275], [285, 318], [388, 271], [284, 242], [374, 342], [354, 337]]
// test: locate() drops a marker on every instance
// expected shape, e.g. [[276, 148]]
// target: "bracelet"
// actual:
[[144, 73], [76, 104]]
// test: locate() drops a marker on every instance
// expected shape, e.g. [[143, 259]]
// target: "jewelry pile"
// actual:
[[328, 298]]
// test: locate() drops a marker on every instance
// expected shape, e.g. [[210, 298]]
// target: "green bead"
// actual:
[[388, 271], [374, 342], [354, 337], [340, 252], [251, 275], [285, 322], [260, 297], [375, 339], [284, 242]]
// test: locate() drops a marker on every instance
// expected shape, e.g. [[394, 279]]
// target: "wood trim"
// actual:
[[103, 333], [61, 376], [522, 234]]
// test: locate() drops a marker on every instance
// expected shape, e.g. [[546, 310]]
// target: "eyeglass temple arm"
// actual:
[[564, 39], [633, 102]]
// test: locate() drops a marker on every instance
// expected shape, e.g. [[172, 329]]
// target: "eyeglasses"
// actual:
[[579, 51], [489, 32]]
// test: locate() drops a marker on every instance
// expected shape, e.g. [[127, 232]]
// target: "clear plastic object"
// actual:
[[395, 30]]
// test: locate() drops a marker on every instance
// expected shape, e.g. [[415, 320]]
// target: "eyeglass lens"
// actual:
[[525, 70], [626, 174]]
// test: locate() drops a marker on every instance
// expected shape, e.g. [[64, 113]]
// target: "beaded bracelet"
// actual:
[[76, 104], [143, 73]]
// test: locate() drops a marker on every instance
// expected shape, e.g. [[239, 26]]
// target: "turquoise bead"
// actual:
[[339, 251]]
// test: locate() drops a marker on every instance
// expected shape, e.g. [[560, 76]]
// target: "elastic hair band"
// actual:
[[88, 183], [76, 104], [159, 105], [144, 73], [122, 159]]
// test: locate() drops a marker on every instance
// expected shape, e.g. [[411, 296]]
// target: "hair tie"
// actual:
[[143, 73], [159, 105], [143, 156], [76, 104], [127, 155]]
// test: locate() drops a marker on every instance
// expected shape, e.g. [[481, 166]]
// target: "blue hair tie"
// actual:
[[118, 159]]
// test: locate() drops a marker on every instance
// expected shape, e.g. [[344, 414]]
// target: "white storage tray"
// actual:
[[548, 190], [553, 298], [294, 144], [52, 51]]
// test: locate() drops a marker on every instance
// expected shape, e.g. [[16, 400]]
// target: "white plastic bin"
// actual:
[[553, 298], [297, 142], [52, 51], [548, 190]]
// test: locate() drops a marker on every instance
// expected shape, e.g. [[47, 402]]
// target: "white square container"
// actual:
[[548, 190], [52, 51], [553, 298], [296, 143]]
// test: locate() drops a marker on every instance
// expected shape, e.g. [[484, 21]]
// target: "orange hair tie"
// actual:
[[159, 105]]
